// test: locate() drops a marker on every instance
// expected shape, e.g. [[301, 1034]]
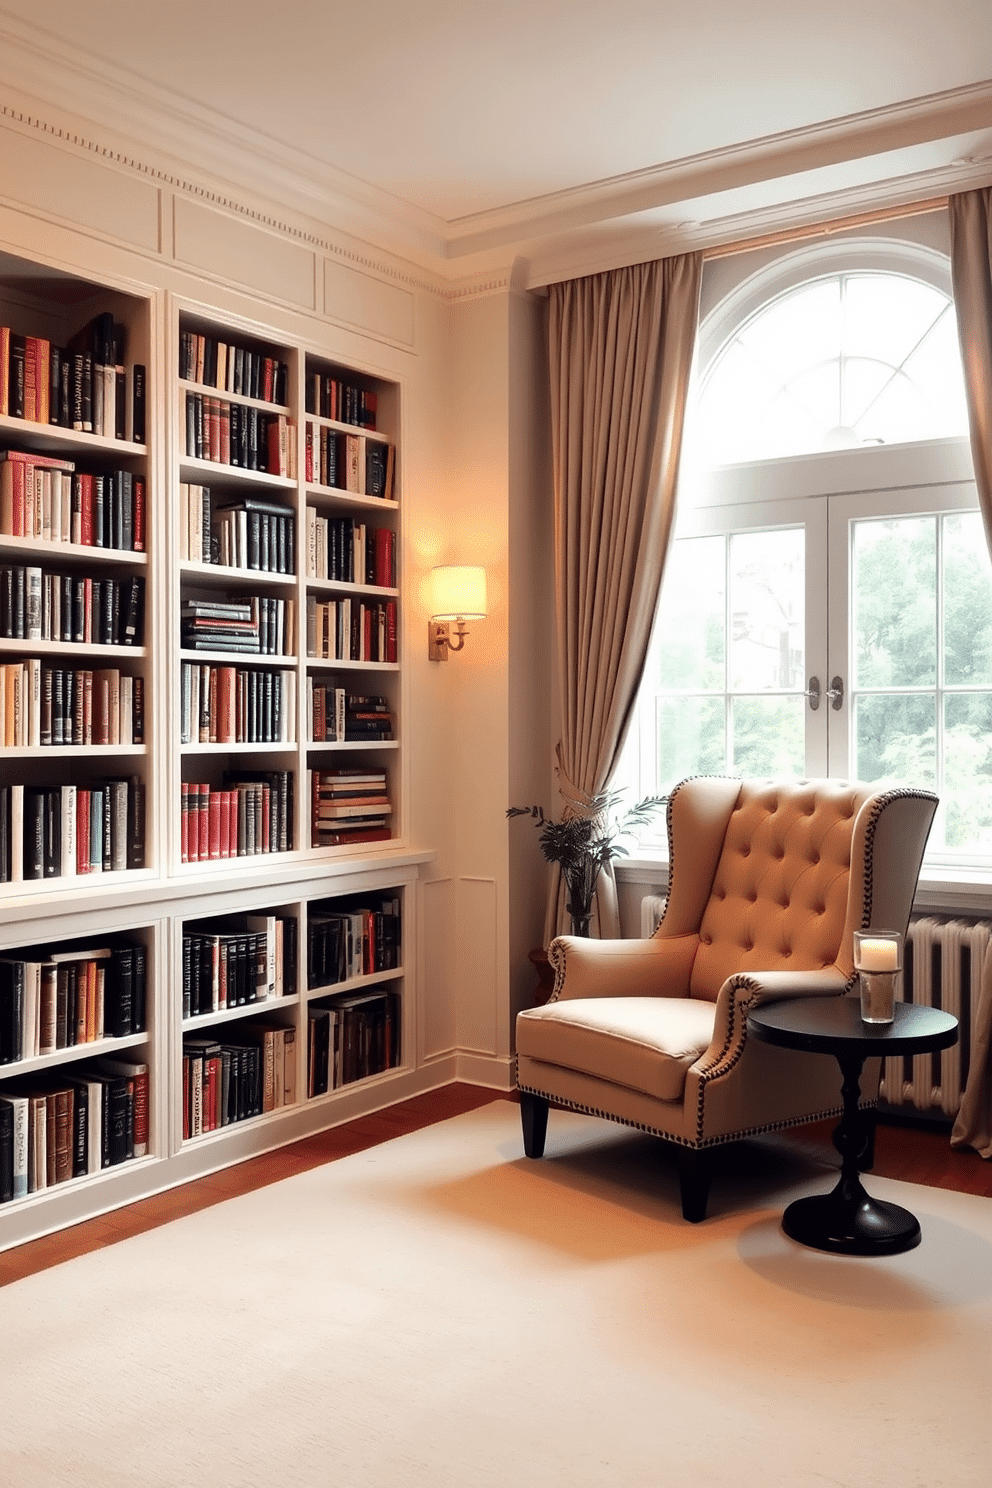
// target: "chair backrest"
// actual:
[[777, 875]]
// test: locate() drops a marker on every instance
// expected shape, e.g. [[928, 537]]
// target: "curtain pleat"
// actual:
[[971, 272], [621, 346]]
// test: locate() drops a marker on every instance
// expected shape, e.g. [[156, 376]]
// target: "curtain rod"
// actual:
[[825, 229]]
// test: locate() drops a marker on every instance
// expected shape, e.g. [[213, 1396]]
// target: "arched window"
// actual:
[[827, 602], [810, 357]]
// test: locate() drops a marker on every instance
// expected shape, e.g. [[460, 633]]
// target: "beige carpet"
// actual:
[[440, 1311]]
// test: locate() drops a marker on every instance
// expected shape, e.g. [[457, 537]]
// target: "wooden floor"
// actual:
[[912, 1154]]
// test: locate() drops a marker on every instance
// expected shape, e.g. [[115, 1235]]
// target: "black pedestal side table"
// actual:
[[848, 1220]]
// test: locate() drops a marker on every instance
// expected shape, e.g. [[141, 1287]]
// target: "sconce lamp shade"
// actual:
[[457, 592]]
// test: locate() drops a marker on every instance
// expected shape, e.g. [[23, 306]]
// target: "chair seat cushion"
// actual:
[[644, 1043]]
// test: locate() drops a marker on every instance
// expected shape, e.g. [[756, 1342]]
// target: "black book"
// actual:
[[65, 389], [115, 1119], [53, 832], [120, 402], [139, 1008], [80, 1124], [34, 833], [136, 824], [118, 1011], [15, 396], [131, 612], [55, 355], [11, 1011], [138, 396]]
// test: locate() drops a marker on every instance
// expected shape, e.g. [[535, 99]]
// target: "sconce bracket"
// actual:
[[438, 640]]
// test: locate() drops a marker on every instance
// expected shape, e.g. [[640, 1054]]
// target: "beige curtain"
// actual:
[[621, 347], [971, 272], [971, 269]]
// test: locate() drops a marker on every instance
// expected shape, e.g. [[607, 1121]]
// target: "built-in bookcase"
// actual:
[[201, 648]]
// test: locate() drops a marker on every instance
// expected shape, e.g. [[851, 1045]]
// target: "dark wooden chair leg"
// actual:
[[695, 1173], [534, 1120]]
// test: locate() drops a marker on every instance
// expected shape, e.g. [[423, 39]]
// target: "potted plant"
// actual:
[[581, 845]]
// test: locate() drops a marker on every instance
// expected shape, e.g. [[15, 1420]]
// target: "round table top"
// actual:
[[833, 1025]]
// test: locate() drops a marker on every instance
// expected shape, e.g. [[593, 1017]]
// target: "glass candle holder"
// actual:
[[878, 962]]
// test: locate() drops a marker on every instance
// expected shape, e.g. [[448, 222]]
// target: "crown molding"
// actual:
[[170, 125], [946, 115]]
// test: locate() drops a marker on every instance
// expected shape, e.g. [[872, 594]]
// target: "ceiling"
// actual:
[[468, 136]]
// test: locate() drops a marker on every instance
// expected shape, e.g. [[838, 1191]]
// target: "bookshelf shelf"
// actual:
[[217, 473]]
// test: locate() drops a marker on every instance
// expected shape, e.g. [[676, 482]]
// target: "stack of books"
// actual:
[[348, 806], [219, 625]]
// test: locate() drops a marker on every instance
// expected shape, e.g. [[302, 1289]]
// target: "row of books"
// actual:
[[236, 705], [331, 397], [39, 605], [351, 942], [79, 1124], [350, 1037], [335, 716], [231, 966], [233, 1079], [45, 705], [351, 629], [234, 369], [48, 499], [61, 831], [350, 552], [348, 462], [240, 435], [84, 385], [59, 999], [247, 533], [248, 815], [348, 806]]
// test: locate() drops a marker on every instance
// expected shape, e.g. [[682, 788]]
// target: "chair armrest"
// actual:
[[656, 967], [746, 990]]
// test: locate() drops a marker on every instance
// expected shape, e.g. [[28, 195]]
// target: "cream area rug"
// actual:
[[441, 1311]]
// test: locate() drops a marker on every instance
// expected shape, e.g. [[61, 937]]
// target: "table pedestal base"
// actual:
[[851, 1224]]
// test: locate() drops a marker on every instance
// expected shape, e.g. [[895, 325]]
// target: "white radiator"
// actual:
[[652, 909], [944, 960]]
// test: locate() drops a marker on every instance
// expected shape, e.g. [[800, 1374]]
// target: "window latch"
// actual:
[[835, 692], [813, 693]]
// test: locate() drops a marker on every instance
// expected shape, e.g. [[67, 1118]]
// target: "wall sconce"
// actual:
[[455, 593]]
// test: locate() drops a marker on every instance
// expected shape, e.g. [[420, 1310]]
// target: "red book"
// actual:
[[83, 864], [391, 630], [307, 454], [138, 522], [4, 369], [31, 374], [214, 824], [85, 509], [203, 823], [193, 824], [266, 818], [224, 809]]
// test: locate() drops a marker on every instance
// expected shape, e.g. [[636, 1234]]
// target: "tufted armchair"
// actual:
[[768, 882]]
